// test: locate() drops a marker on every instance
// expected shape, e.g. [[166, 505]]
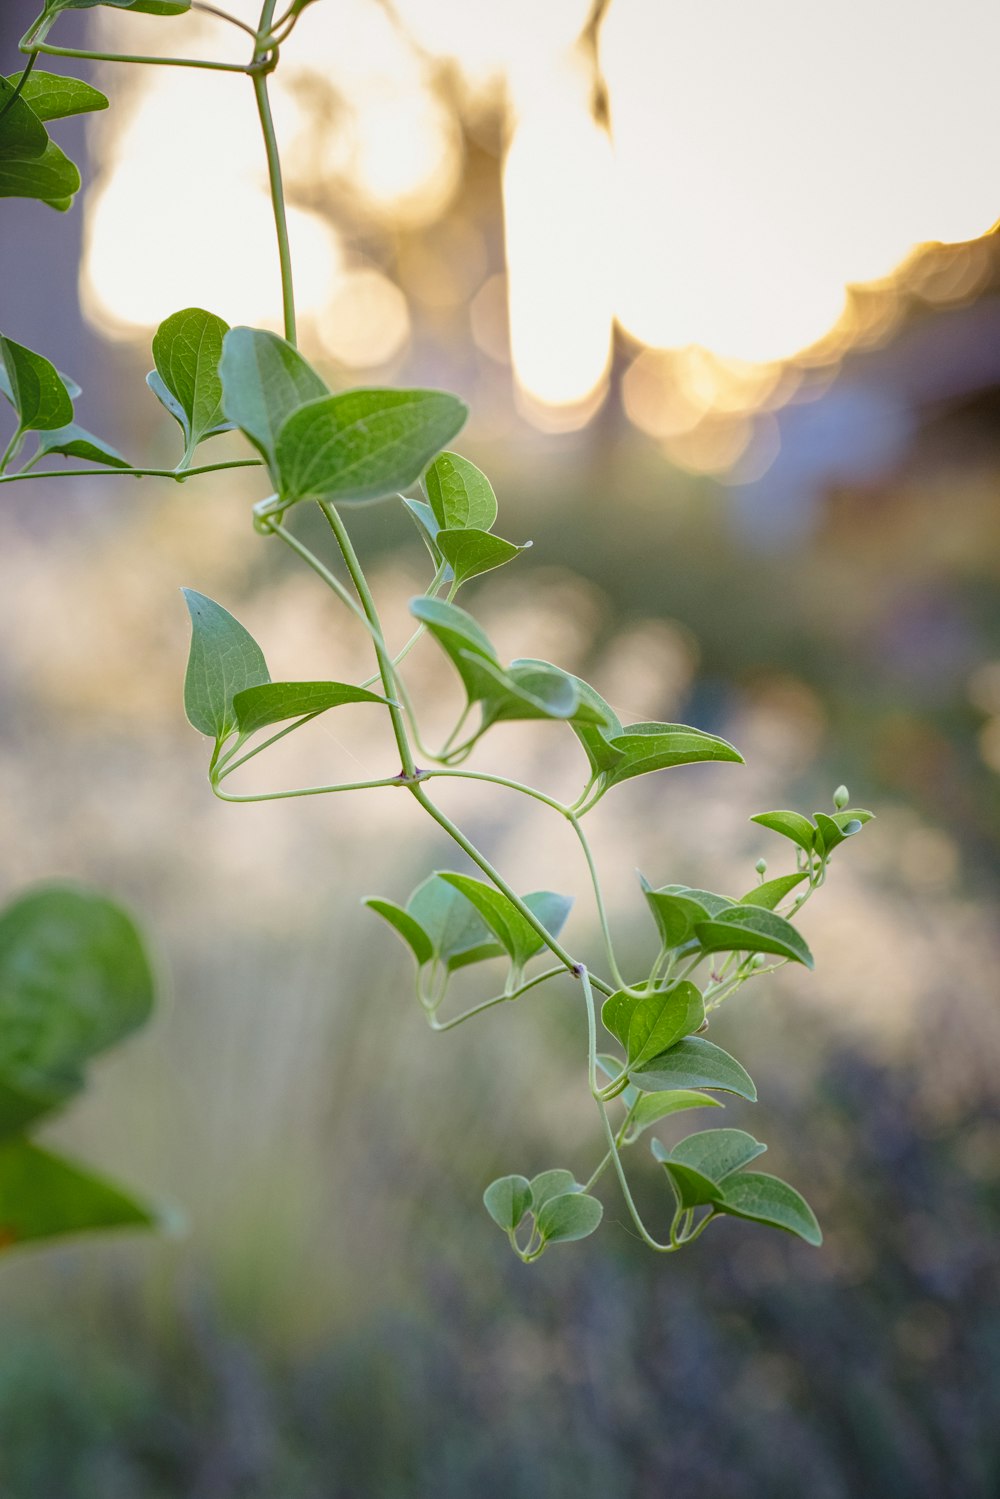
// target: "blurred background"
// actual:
[[719, 286]]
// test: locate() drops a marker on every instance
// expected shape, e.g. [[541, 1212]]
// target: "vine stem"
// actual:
[[385, 666], [488, 1004], [264, 43], [129, 473]]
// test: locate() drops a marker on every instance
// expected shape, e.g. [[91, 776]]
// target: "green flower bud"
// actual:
[[841, 797], [761, 866]]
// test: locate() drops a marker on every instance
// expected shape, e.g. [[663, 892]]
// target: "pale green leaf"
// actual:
[[54, 96], [772, 892], [507, 1200], [76, 442], [790, 825], [22, 134], [517, 936], [646, 747], [460, 495], [458, 933], [406, 925], [36, 389], [652, 1107], [548, 1184], [573, 1215], [264, 379], [752, 929], [470, 553], [769, 1200], [662, 1018], [224, 660]]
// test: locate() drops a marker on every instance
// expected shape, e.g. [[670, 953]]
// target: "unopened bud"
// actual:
[[761, 866], [841, 797]]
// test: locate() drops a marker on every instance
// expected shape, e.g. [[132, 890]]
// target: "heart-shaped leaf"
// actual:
[[460, 495], [43, 1196], [548, 1184], [412, 933], [699, 1165], [677, 908], [507, 1200], [617, 1011], [694, 1063], [662, 1018], [752, 929], [769, 1200], [646, 747], [470, 553], [34, 388], [790, 825], [264, 379], [273, 702], [75, 442], [187, 348], [462, 640], [574, 1215], [363, 444], [55, 96], [224, 660], [772, 892], [74, 979]]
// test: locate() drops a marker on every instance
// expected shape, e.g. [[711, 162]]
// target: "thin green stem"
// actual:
[[129, 473], [141, 60], [10, 452], [498, 999], [329, 578], [385, 667], [278, 796], [264, 44], [599, 900], [223, 15], [19, 86], [228, 765]]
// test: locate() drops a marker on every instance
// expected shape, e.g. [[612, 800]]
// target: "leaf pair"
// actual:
[[74, 981], [228, 688], [457, 519], [821, 835], [706, 1170], [618, 754], [561, 1211], [699, 919], [31, 164], [43, 400], [187, 348], [454, 920], [524, 690], [351, 448]]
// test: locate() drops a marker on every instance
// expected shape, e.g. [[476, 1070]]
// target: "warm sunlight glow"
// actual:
[[556, 180], [366, 322]]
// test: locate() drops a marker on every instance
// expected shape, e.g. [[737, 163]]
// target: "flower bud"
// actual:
[[761, 866], [841, 797]]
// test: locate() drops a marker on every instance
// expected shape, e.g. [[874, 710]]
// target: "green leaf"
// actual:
[[54, 96], [531, 689], [461, 639], [76, 442], [22, 134], [717, 1153], [187, 348], [790, 825], [548, 1184], [661, 1019], [616, 1014], [74, 979], [406, 925], [428, 527], [273, 702], [574, 1215], [264, 379], [652, 1107], [458, 933], [646, 747], [596, 737], [470, 553], [507, 1200], [518, 938], [36, 389], [51, 177], [363, 444], [460, 495], [772, 892], [751, 929], [769, 1200], [225, 660], [43, 1196], [146, 7], [694, 1063], [699, 1165], [677, 908]]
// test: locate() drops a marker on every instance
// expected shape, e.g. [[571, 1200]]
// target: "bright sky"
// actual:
[[762, 157]]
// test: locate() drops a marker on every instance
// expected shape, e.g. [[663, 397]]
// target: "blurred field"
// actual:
[[342, 1321]]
